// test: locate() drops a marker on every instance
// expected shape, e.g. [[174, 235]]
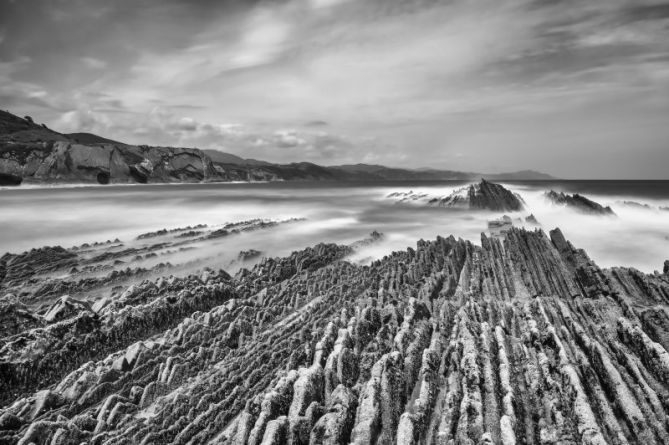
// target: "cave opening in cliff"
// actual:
[[103, 178]]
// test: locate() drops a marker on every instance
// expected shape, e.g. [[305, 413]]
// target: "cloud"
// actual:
[[187, 124], [288, 139], [93, 63], [431, 79], [83, 120], [316, 123]]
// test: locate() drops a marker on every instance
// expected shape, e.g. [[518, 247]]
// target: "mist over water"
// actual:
[[339, 213]]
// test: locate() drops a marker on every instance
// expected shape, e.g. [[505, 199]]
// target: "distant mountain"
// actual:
[[522, 175], [361, 168], [34, 153]]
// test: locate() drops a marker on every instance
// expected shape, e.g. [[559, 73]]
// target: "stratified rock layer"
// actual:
[[578, 202], [491, 196], [519, 340], [484, 195]]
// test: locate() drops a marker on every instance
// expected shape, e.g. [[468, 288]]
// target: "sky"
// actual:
[[574, 88]]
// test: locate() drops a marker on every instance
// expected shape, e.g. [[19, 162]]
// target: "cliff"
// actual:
[[32, 153], [520, 340], [69, 162]]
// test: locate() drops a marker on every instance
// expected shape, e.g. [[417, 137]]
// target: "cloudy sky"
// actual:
[[575, 88]]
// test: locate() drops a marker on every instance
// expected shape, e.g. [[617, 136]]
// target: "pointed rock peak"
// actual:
[[66, 307]]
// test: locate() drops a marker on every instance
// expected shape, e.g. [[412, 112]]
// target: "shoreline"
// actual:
[[66, 185], [285, 329]]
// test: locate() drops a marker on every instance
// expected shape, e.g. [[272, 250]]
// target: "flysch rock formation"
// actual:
[[484, 195], [68, 162], [516, 340], [34, 153], [578, 202], [93, 271]]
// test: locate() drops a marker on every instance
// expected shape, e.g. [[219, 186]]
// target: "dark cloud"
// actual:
[[646, 12], [316, 123]]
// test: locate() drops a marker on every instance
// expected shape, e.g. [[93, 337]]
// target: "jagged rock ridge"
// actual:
[[484, 195], [90, 271], [520, 340], [578, 202]]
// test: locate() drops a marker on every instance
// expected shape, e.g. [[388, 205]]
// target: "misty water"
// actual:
[[339, 213]]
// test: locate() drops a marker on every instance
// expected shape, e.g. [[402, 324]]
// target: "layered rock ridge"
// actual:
[[523, 339], [483, 195], [578, 202]]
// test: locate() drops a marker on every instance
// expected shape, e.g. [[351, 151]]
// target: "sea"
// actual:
[[342, 212]]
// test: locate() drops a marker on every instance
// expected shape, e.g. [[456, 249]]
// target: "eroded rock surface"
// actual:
[[484, 195], [523, 339], [578, 202]]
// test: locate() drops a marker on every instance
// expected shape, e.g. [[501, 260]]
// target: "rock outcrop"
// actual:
[[523, 339], [491, 196], [578, 202], [65, 161], [484, 195]]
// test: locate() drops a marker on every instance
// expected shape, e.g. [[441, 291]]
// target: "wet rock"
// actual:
[[484, 195], [578, 202], [531, 219], [491, 196]]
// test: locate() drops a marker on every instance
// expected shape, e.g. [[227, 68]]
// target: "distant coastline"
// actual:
[[34, 154]]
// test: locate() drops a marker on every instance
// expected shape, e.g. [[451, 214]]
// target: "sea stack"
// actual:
[[484, 195], [578, 202], [491, 196]]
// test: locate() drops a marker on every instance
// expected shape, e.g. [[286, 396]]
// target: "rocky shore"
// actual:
[[521, 339]]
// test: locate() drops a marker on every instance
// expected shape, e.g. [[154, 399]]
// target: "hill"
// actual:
[[33, 153], [90, 138], [224, 158], [17, 129]]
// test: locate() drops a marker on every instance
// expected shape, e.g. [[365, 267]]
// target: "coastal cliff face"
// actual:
[[519, 340], [32, 153], [63, 161]]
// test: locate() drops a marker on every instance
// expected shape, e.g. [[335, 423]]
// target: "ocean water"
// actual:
[[333, 212]]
